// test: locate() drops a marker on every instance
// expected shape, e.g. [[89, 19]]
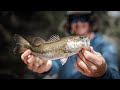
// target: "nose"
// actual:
[[79, 22]]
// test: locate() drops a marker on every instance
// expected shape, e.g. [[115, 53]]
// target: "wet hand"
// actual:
[[91, 64], [34, 63]]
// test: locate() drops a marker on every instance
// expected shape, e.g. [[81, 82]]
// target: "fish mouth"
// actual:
[[82, 37], [86, 43]]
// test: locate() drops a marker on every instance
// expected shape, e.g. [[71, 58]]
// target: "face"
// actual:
[[80, 25]]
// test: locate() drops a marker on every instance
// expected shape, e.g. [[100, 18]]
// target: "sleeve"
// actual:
[[56, 65], [109, 52]]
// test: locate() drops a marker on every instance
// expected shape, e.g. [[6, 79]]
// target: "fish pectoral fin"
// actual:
[[63, 61], [38, 41]]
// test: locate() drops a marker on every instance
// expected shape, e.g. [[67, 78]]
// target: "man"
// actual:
[[100, 63]]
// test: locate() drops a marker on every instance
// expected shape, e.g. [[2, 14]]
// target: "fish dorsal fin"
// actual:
[[38, 41], [53, 38]]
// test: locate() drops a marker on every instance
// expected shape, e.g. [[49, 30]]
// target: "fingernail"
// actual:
[[29, 60], [29, 56], [37, 65], [86, 52], [29, 51], [83, 50], [40, 62]]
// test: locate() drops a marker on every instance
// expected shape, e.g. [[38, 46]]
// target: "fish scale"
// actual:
[[53, 49]]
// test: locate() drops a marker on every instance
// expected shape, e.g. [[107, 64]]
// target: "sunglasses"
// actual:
[[82, 18]]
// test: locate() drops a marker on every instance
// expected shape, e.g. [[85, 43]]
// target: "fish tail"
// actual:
[[21, 44]]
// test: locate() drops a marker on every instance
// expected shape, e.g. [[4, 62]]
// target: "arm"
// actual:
[[94, 65], [110, 55]]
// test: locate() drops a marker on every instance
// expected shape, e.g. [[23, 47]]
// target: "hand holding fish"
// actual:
[[34, 63], [38, 54], [91, 64], [53, 49]]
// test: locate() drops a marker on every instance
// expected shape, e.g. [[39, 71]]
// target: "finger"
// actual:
[[30, 62], [38, 61], [97, 54], [79, 68], [94, 52], [36, 64], [34, 68], [83, 65], [24, 56], [100, 56], [90, 66], [91, 57], [45, 67], [84, 60]]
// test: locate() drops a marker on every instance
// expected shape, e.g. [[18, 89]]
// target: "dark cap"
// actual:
[[78, 12]]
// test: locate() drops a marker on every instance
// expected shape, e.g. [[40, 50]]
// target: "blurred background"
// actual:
[[43, 24]]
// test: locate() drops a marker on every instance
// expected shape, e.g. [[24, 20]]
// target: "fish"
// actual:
[[54, 48]]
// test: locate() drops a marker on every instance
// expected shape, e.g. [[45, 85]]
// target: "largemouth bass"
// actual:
[[53, 49]]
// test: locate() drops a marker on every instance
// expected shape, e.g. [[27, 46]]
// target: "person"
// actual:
[[98, 63]]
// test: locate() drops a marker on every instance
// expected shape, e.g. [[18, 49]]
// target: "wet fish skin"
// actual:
[[53, 49]]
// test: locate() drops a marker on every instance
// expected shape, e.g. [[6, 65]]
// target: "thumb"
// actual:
[[92, 50]]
